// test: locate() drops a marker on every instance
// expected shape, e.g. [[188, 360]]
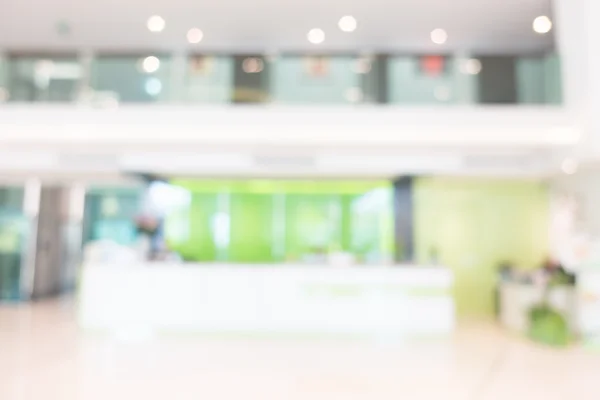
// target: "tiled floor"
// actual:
[[44, 356]]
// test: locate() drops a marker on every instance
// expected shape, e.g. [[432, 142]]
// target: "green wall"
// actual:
[[473, 225]]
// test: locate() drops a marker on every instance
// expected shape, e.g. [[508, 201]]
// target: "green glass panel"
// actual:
[[312, 225], [201, 244], [258, 221], [372, 225], [252, 230], [281, 186]]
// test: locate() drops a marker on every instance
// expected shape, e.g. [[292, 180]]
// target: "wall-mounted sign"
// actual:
[[433, 66]]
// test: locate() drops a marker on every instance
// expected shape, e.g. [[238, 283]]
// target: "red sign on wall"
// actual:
[[433, 65]]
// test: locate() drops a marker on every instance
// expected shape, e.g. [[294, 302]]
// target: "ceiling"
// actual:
[[481, 26], [111, 164]]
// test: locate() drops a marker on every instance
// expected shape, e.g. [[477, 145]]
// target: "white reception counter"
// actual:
[[403, 301]]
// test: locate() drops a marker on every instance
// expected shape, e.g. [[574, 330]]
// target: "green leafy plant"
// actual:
[[548, 326]]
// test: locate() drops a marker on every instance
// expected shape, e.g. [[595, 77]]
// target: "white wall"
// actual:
[[35, 125], [227, 140], [577, 31], [585, 186], [575, 219]]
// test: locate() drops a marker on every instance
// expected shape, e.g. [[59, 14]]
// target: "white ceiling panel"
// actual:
[[273, 25]]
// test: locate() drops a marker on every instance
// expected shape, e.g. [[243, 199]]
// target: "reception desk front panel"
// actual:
[[285, 299]]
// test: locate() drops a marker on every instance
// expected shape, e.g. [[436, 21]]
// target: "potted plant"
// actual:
[[546, 324]]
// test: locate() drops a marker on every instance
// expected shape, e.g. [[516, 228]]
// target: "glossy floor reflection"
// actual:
[[44, 356]]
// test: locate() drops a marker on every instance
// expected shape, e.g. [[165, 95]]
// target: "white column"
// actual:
[[577, 32], [31, 209], [571, 38], [72, 227]]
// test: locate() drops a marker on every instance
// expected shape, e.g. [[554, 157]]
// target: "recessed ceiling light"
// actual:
[[156, 23], [195, 36], [542, 24], [569, 166], [347, 23], [316, 36], [150, 64], [439, 36]]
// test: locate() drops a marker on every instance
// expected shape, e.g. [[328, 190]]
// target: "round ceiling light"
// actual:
[[195, 36], [156, 24], [439, 36], [542, 24], [316, 36], [150, 64], [347, 23]]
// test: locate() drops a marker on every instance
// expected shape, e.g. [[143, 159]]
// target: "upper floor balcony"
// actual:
[[257, 85], [108, 80], [385, 103]]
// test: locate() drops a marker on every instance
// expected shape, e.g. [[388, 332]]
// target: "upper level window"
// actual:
[[39, 78], [131, 78]]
